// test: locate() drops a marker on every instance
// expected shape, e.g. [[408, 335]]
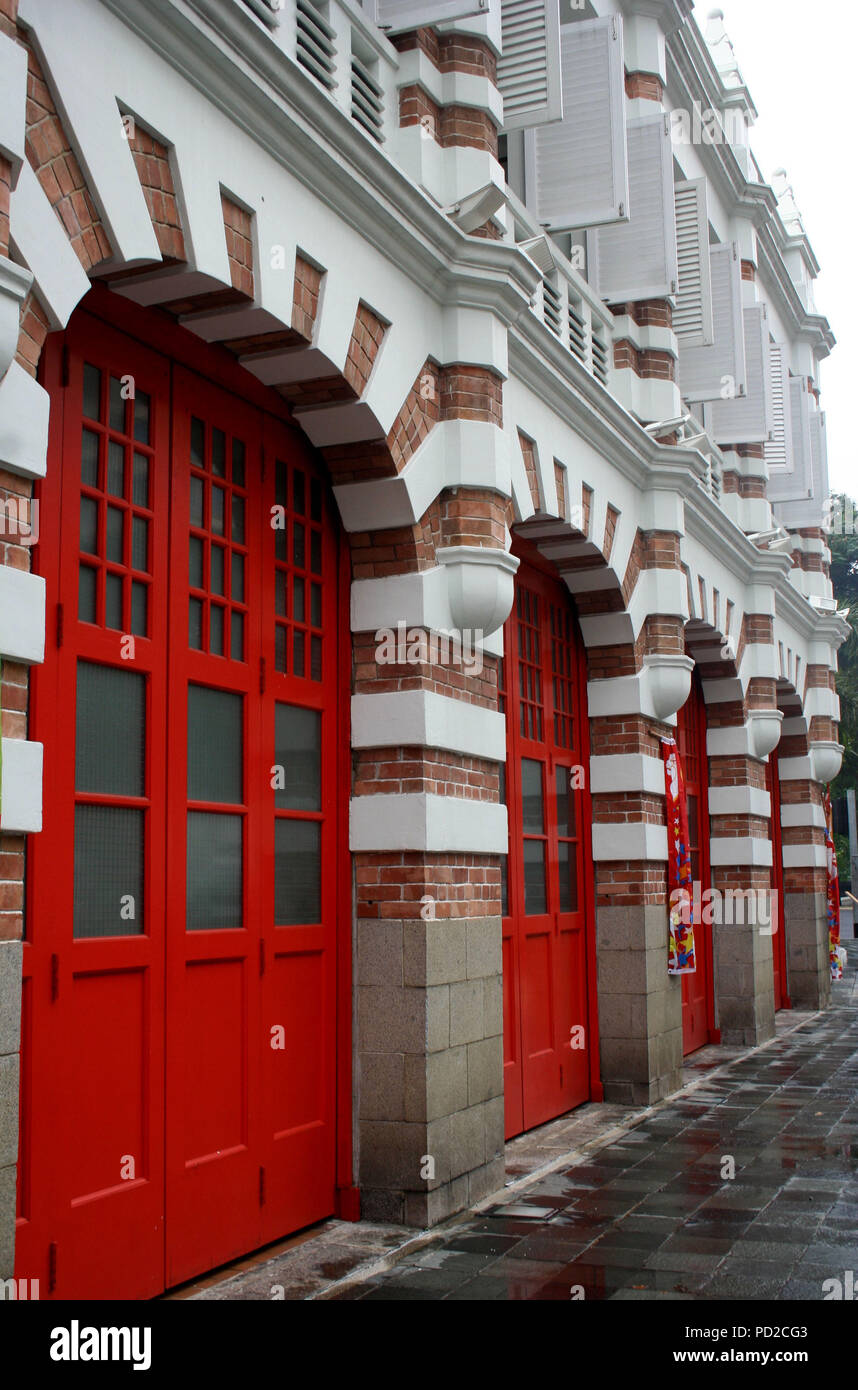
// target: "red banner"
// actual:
[[680, 882], [833, 894]]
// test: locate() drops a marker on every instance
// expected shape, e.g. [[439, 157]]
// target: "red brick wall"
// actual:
[[644, 86], [451, 52], [426, 771], [528, 453], [460, 885], [647, 363], [33, 332], [152, 161], [305, 297], [239, 244], [50, 155], [365, 342], [5, 194], [372, 677]]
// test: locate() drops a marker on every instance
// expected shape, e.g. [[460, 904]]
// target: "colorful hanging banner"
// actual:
[[833, 893], [681, 960]]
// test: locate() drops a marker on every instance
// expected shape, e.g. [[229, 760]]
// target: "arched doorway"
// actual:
[[697, 993], [550, 1028], [179, 1100], [779, 954]]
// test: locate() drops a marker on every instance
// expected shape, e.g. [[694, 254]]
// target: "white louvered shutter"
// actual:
[[779, 447], [705, 372], [637, 259], [396, 15], [748, 419], [692, 316], [529, 67], [796, 483], [576, 170]]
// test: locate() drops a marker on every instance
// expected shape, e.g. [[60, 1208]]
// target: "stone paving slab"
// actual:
[[611, 1203]]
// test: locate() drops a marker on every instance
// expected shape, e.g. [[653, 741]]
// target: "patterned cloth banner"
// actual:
[[681, 959], [833, 894]]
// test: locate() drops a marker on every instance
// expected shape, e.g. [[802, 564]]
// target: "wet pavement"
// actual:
[[650, 1216], [743, 1186]]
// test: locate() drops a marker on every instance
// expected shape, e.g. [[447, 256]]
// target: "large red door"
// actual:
[[779, 961], [549, 1008], [179, 1057], [697, 997]]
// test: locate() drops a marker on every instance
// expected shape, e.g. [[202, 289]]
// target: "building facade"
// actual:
[[408, 421]]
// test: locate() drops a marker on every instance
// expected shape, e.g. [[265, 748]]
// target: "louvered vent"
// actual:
[[268, 10], [713, 477], [577, 331], [367, 99], [552, 307], [315, 43], [600, 359]]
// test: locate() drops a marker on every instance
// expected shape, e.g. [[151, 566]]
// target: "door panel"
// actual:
[[548, 1013], [697, 998], [179, 1049], [214, 824], [94, 1097]]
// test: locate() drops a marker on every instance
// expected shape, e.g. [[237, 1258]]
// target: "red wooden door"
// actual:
[[179, 1071], [549, 1010], [779, 962], [93, 1052], [697, 997]]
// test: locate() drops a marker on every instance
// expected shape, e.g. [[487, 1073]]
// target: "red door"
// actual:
[[549, 1008], [178, 1088], [697, 998], [779, 963]]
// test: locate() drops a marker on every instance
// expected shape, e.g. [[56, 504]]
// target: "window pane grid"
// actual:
[[299, 647], [218, 542], [529, 659], [116, 471]]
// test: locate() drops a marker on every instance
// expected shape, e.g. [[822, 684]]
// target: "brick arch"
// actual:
[[327, 397]]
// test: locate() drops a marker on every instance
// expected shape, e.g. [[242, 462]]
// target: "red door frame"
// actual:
[[691, 739], [156, 334], [779, 951], [542, 578]]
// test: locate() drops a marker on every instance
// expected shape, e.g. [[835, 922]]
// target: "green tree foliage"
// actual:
[[844, 578]]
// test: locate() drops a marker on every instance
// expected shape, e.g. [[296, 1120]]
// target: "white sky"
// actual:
[[798, 61]]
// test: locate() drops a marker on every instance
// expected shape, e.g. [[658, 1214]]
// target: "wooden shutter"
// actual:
[[748, 419], [795, 483], [529, 68], [396, 15], [779, 447], [692, 316], [637, 259], [576, 170], [704, 371]]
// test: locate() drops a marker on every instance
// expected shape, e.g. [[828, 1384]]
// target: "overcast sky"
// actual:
[[798, 60]]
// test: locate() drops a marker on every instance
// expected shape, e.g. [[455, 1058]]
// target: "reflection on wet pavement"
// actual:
[[652, 1214]]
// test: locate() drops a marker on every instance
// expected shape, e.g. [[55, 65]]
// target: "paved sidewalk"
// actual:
[[647, 1213]]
